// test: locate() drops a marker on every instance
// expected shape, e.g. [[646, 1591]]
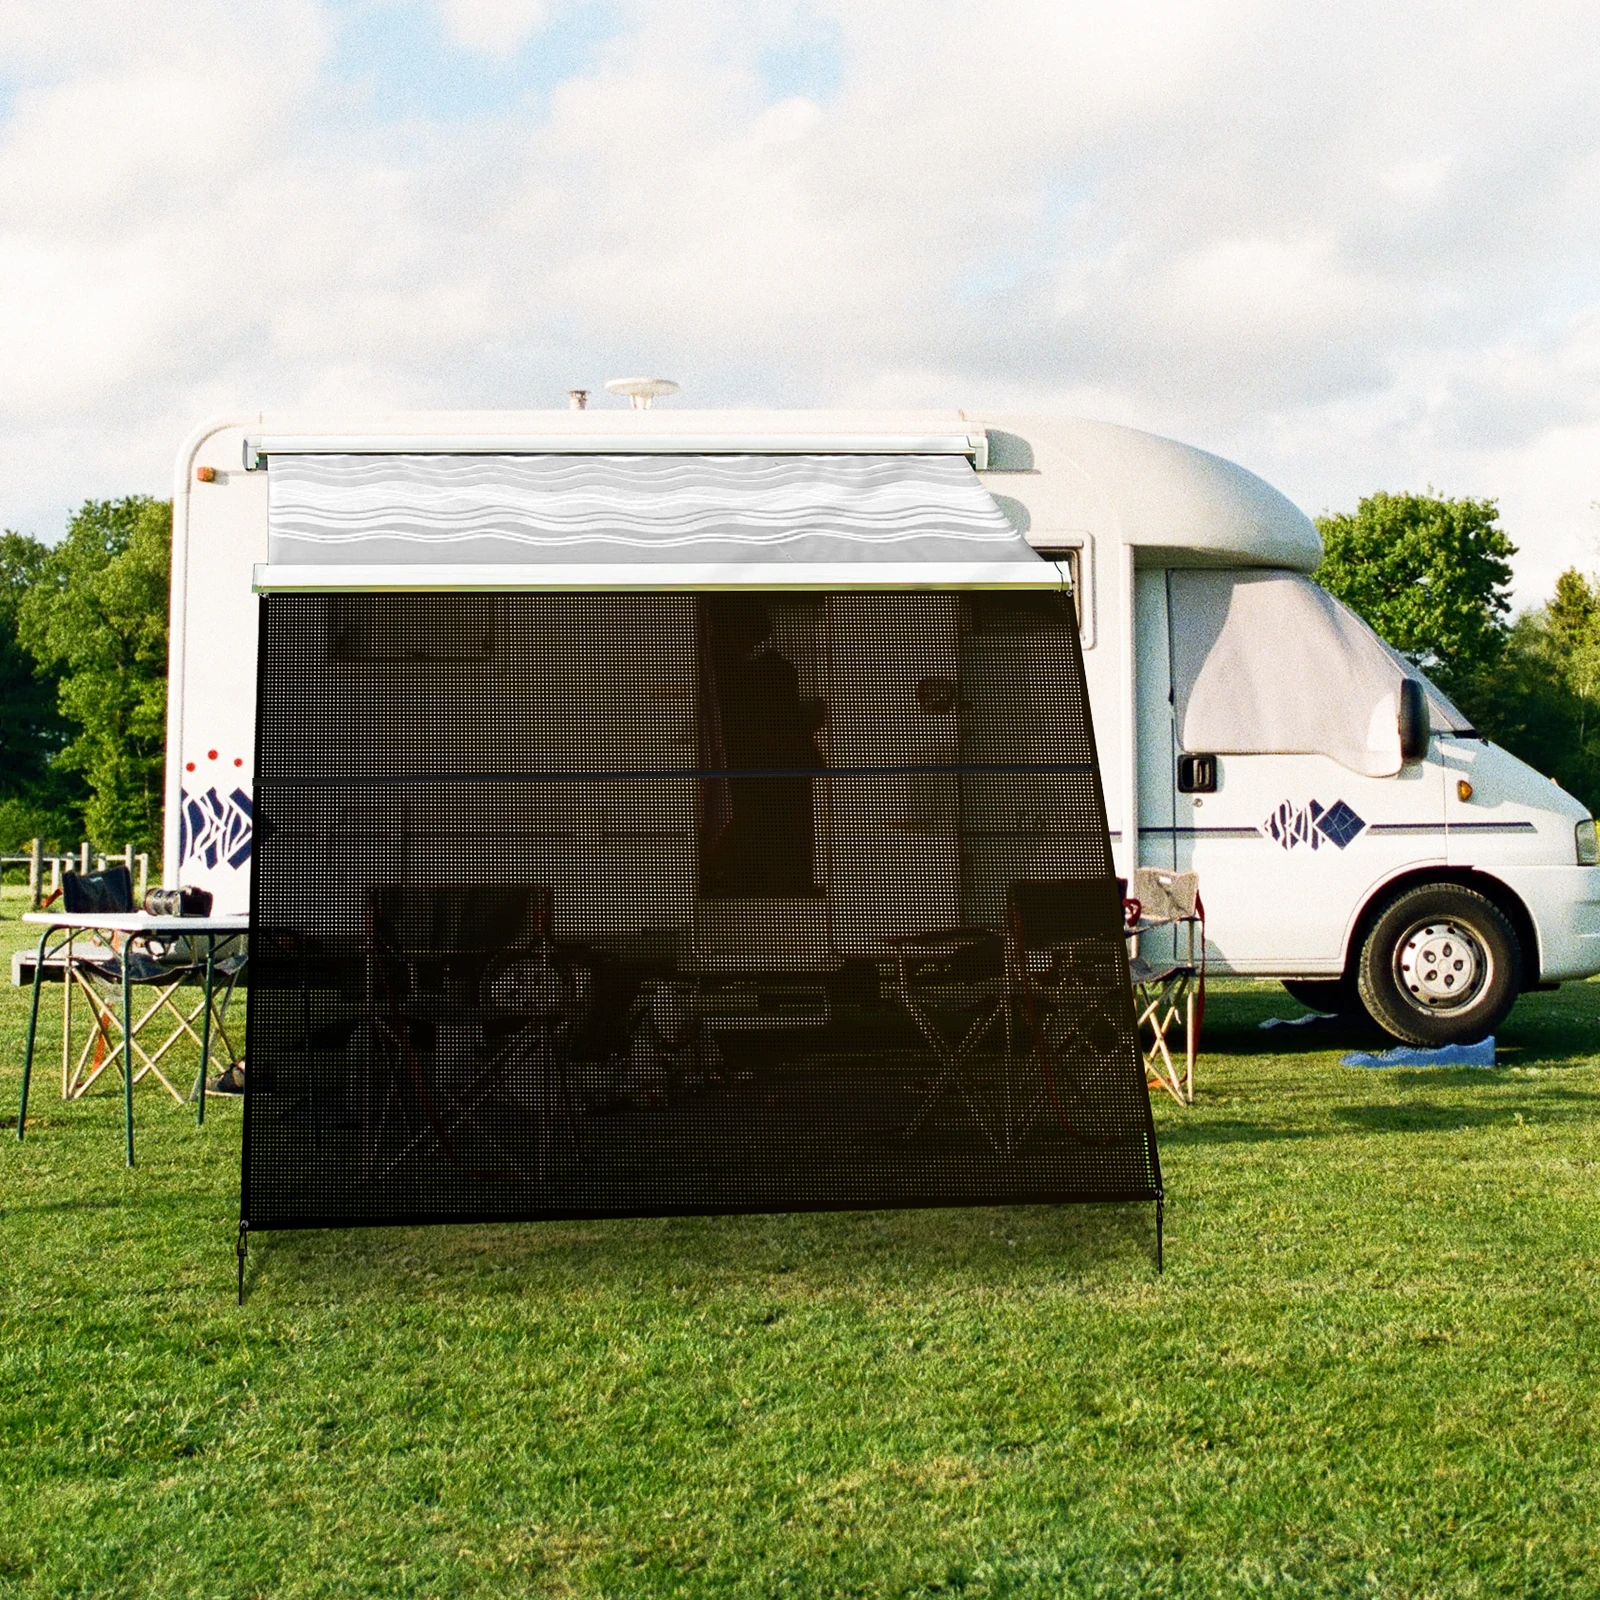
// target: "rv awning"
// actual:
[[366, 522]]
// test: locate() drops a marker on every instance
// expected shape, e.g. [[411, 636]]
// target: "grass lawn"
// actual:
[[1370, 1368]]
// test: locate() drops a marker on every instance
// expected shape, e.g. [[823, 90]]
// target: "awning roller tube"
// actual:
[[656, 577]]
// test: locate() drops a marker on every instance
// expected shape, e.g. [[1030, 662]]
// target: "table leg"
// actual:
[[67, 987], [1189, 1042], [205, 1033], [127, 1048], [33, 1028]]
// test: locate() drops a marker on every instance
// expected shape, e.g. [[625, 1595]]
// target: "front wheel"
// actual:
[[1441, 965]]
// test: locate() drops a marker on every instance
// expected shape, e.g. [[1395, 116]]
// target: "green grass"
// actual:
[[1370, 1368]]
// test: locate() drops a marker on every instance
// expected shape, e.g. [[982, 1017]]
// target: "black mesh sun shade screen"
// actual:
[[604, 905]]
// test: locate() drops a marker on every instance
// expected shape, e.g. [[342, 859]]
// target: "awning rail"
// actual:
[[974, 445]]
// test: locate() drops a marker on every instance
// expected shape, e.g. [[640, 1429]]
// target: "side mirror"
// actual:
[[1414, 729]]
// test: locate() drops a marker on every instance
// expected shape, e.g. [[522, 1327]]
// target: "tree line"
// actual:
[[83, 678], [83, 653], [1433, 577]]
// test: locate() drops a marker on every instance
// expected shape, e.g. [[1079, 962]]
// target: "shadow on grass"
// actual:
[[1543, 1030], [1232, 1131], [845, 1252], [1421, 1116], [1548, 1054], [1235, 1038], [49, 1208]]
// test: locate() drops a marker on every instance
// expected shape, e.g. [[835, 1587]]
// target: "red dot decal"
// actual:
[[211, 755], [238, 761], [188, 766]]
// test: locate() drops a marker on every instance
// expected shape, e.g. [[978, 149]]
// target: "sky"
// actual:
[[1353, 246]]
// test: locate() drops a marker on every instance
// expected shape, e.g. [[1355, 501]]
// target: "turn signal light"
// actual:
[[206, 474], [1463, 788], [1588, 844]]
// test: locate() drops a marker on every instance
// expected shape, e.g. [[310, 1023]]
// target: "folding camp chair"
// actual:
[[111, 891], [1169, 992], [1066, 961], [101, 1048], [953, 985], [439, 957]]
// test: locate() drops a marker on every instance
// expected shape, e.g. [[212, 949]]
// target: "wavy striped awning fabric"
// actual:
[[778, 517]]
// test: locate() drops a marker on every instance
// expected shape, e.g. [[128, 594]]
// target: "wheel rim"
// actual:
[[1441, 966]]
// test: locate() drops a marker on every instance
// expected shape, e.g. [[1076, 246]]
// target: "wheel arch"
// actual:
[[1502, 896]]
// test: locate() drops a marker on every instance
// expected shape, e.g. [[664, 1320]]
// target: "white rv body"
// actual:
[[1294, 851]]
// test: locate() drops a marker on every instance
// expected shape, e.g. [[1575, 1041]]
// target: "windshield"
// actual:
[[1269, 662]]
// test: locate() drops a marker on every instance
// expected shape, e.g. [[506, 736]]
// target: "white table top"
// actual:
[[138, 922]]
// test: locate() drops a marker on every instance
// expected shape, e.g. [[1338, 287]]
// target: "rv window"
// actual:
[[1071, 557], [395, 629]]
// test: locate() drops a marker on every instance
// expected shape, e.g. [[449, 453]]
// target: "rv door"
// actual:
[[1156, 750], [895, 843]]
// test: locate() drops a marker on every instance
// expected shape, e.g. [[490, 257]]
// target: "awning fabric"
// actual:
[[633, 521]]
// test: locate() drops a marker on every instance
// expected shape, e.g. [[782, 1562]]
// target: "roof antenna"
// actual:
[[642, 391], [577, 399]]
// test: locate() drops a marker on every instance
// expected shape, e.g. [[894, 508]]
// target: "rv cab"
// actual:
[[1351, 830]]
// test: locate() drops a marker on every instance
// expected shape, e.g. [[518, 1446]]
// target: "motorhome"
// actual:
[[1353, 835]]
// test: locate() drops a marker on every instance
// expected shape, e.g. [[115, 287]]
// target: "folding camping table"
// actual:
[[134, 925]]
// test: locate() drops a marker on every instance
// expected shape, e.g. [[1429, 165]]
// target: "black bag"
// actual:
[[90, 893], [178, 902]]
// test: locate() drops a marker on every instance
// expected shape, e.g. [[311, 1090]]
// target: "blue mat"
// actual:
[[1480, 1054]]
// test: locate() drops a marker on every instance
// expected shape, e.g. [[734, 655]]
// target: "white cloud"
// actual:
[[496, 27], [1351, 248]]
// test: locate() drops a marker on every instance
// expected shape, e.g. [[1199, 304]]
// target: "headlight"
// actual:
[[1588, 844]]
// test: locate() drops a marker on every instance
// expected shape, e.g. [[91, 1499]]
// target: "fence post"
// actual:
[[83, 858], [35, 873], [55, 874], [144, 877]]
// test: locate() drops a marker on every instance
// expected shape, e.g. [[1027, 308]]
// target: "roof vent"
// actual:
[[642, 391], [578, 399]]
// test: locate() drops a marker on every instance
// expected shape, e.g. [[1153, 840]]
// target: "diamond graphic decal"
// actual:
[[213, 827], [1339, 823], [1311, 824]]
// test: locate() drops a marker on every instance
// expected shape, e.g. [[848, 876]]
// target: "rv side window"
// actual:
[[402, 629], [1071, 557]]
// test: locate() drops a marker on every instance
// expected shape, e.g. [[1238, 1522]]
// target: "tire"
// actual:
[[1335, 995], [1441, 965]]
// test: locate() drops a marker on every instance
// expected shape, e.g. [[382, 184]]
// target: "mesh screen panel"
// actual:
[[597, 905]]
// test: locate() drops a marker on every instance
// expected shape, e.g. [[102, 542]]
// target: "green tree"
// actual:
[[36, 795], [97, 616], [1433, 577], [1547, 690]]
